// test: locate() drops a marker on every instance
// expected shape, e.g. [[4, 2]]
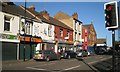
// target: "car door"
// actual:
[[53, 55], [72, 54]]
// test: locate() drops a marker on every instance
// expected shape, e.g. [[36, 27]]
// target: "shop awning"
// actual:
[[30, 39]]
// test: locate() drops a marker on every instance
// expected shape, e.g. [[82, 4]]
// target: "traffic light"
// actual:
[[111, 15]]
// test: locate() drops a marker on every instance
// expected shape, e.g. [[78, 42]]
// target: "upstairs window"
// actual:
[[50, 30], [75, 25], [68, 33], [61, 32], [7, 23], [28, 27], [75, 36]]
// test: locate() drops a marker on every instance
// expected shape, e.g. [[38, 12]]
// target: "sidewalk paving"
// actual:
[[8, 62], [106, 65]]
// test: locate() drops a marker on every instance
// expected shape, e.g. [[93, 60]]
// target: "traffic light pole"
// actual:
[[113, 55]]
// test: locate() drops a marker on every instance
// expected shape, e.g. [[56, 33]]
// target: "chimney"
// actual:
[[32, 7], [45, 14], [75, 15]]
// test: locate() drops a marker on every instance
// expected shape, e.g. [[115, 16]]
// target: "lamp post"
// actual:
[[24, 33]]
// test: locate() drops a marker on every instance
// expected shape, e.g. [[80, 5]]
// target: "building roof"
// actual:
[[59, 23], [61, 15], [65, 18], [101, 41], [87, 26], [13, 9], [51, 20]]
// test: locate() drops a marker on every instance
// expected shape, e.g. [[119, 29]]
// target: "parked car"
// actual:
[[101, 50], [81, 54], [46, 55], [69, 54]]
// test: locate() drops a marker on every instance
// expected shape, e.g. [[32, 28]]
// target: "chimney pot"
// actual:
[[32, 7], [75, 15]]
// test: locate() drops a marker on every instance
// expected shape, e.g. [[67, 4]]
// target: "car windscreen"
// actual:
[[39, 52]]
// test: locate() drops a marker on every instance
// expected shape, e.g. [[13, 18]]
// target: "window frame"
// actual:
[[7, 23], [61, 32]]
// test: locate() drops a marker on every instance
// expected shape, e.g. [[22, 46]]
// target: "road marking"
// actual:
[[43, 65], [72, 67], [35, 68], [69, 60], [100, 57]]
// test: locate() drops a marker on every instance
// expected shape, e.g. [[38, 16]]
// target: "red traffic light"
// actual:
[[109, 7]]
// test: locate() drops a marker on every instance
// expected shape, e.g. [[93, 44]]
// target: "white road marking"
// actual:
[[69, 60], [100, 57], [43, 65], [35, 68], [72, 67]]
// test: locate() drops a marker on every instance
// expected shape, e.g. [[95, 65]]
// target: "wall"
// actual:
[[57, 33], [44, 32], [91, 36], [78, 30], [85, 37], [36, 29]]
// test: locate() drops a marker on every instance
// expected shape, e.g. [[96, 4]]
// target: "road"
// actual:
[[89, 63]]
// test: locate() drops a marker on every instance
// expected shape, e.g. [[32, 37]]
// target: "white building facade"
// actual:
[[9, 29]]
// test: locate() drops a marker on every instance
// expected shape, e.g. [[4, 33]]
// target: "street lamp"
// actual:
[[24, 33]]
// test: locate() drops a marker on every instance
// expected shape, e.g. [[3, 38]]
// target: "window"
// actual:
[[36, 30], [85, 39], [85, 31], [50, 30], [75, 36], [75, 24], [79, 27], [22, 26], [7, 23], [61, 32], [28, 27], [45, 32], [68, 34]]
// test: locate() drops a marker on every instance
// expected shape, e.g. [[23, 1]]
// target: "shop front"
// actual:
[[63, 46], [9, 46], [77, 46], [29, 43]]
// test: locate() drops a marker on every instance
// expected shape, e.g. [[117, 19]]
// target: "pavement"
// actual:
[[15, 61]]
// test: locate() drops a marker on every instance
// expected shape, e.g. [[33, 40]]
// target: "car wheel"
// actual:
[[69, 57], [59, 58], [47, 59], [75, 56]]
